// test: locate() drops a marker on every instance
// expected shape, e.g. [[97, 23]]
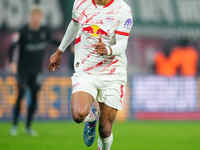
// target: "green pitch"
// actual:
[[148, 135]]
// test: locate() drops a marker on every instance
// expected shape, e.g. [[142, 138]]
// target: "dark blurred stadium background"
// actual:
[[160, 25]]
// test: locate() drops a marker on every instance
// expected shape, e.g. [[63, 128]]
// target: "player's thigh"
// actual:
[[84, 93], [81, 102], [112, 94], [107, 113]]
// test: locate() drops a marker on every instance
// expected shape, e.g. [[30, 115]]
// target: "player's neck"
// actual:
[[102, 2]]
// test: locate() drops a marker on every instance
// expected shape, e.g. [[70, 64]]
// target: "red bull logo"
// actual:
[[95, 31]]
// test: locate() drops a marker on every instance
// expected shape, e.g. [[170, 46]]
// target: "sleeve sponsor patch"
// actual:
[[128, 23]]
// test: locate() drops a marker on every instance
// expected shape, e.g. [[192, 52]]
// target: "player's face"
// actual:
[[35, 19]]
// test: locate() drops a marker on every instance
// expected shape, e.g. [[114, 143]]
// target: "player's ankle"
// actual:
[[107, 139]]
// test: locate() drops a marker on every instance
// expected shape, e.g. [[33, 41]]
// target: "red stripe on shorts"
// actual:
[[122, 91]]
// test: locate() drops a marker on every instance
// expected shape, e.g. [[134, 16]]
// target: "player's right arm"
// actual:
[[70, 35], [16, 41]]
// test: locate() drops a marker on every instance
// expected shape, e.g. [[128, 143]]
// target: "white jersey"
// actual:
[[101, 21]]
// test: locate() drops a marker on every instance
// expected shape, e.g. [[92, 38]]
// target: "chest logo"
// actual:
[[95, 31]]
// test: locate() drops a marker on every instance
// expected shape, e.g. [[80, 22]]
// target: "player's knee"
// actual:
[[79, 115], [105, 130]]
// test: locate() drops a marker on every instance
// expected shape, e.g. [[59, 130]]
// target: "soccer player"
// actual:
[[101, 29], [32, 42]]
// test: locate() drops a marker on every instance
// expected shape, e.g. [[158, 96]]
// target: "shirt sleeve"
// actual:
[[69, 36], [125, 24], [72, 29], [75, 12], [122, 34]]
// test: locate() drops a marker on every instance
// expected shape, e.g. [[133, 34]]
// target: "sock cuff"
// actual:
[[108, 139], [90, 117]]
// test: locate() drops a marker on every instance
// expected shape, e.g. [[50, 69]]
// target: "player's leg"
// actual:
[[17, 105], [84, 92], [81, 111], [110, 101], [80, 105], [34, 89], [106, 120]]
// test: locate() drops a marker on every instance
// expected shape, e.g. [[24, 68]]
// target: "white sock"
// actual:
[[100, 144], [90, 117], [106, 143]]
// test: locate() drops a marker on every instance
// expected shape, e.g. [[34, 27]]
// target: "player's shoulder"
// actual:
[[81, 2], [125, 5], [125, 8]]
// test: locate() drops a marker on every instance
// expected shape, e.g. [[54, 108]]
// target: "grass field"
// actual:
[[148, 135]]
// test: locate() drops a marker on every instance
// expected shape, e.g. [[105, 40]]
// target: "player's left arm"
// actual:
[[121, 35], [121, 38]]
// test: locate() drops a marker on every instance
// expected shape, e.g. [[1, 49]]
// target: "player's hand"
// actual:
[[101, 48], [55, 61], [13, 68]]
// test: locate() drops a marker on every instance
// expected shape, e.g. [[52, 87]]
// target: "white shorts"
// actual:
[[105, 89]]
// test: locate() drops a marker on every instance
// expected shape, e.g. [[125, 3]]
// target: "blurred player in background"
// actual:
[[32, 42], [101, 29]]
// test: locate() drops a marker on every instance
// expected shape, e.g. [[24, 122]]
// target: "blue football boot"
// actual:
[[89, 133]]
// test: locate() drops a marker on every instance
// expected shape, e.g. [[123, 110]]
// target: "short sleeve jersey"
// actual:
[[104, 22]]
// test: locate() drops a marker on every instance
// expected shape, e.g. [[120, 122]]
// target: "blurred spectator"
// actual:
[[185, 57], [164, 65], [181, 60], [32, 41]]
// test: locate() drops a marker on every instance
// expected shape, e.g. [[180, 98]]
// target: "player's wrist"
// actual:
[[109, 50], [59, 52]]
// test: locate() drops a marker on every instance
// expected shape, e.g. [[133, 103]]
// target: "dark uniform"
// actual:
[[32, 45]]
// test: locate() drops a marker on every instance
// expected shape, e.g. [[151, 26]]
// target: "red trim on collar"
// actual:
[[93, 1], [109, 3]]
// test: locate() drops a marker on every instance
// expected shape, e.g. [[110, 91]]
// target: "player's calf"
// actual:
[[105, 129], [106, 120], [106, 138]]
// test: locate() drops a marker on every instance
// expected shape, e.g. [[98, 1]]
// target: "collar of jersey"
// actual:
[[93, 1]]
